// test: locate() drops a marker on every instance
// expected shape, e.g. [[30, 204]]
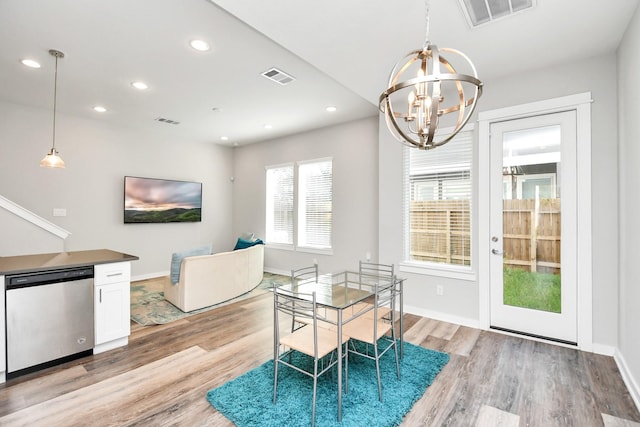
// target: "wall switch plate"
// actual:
[[439, 290], [59, 212]]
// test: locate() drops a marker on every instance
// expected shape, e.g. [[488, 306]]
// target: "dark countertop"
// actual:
[[59, 260]]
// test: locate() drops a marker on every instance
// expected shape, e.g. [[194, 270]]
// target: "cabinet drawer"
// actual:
[[112, 273]]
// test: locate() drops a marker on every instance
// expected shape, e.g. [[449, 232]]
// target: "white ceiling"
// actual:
[[339, 51]]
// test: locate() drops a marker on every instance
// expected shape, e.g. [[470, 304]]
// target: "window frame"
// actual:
[[280, 245], [298, 218], [452, 271], [296, 182]]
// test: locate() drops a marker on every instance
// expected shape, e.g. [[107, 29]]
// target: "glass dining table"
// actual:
[[346, 293]]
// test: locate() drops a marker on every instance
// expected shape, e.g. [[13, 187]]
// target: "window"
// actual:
[[279, 211], [438, 204], [314, 215], [315, 204]]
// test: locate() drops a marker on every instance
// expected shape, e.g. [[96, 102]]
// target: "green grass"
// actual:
[[537, 291]]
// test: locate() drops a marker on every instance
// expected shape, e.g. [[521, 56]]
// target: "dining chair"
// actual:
[[368, 333], [304, 273], [372, 271], [318, 343], [298, 276]]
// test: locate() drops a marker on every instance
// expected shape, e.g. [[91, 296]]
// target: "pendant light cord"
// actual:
[[427, 42], [55, 96]]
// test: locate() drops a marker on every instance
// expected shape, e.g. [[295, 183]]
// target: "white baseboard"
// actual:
[[627, 377], [120, 342], [605, 350], [444, 317], [149, 276], [277, 271]]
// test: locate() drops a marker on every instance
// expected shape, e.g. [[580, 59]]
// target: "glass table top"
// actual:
[[338, 290]]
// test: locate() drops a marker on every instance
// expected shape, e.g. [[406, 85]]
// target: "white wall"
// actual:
[[12, 242], [460, 300], [353, 147], [98, 156], [629, 177]]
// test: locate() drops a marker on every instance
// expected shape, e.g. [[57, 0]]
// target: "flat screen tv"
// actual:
[[151, 200]]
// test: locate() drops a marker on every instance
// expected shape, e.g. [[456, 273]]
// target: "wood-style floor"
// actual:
[[162, 376]]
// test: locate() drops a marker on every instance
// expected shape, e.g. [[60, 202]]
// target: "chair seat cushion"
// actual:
[[302, 340], [361, 329]]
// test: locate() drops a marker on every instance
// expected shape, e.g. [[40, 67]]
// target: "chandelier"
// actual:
[[52, 160], [431, 91]]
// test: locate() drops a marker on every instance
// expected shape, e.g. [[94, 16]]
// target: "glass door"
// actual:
[[533, 232]]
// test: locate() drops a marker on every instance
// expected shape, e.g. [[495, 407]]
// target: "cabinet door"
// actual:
[[112, 312]]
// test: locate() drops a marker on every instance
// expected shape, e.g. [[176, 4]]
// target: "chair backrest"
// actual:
[[305, 273], [295, 306], [374, 269]]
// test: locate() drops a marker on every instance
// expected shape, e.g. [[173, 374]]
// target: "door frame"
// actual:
[[581, 103]]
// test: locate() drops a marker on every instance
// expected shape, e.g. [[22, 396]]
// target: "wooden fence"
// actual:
[[531, 235]]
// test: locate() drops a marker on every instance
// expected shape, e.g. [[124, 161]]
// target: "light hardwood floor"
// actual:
[[162, 376]]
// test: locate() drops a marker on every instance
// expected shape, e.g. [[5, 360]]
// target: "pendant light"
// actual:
[[431, 82], [52, 160]]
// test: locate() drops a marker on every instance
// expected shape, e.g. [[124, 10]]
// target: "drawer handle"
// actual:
[[100, 296], [114, 274]]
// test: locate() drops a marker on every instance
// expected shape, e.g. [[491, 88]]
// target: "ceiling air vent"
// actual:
[[480, 12], [169, 121], [278, 76]]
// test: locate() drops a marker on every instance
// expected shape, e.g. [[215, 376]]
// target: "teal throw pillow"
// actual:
[[244, 244], [176, 259]]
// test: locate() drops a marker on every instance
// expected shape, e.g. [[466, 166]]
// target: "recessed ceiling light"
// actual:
[[224, 138], [99, 109], [200, 45], [139, 85], [268, 126], [30, 63], [331, 109]]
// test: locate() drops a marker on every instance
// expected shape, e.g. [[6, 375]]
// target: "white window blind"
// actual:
[[315, 204], [438, 203], [279, 209]]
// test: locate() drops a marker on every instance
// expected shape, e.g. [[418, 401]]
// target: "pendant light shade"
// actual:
[[52, 160], [425, 87]]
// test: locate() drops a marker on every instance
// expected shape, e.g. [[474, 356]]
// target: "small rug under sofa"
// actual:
[[148, 306]]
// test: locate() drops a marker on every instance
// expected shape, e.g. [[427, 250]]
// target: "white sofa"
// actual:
[[211, 279]]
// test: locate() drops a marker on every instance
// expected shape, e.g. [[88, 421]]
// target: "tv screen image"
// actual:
[[151, 200]]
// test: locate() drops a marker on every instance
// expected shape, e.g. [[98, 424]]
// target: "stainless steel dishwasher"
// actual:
[[49, 318]]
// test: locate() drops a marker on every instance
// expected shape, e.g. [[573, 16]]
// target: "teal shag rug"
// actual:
[[248, 399]]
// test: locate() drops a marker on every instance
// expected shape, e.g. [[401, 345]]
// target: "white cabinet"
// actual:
[[3, 360], [112, 305]]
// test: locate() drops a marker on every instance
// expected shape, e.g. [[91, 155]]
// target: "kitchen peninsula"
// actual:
[[59, 306]]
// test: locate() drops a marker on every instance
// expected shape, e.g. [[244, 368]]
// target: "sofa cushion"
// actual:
[[244, 244], [176, 259]]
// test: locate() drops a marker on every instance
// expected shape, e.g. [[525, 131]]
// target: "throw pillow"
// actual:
[[244, 244], [248, 236], [176, 260]]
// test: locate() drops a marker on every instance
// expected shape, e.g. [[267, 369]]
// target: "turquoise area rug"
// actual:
[[148, 306], [248, 399]]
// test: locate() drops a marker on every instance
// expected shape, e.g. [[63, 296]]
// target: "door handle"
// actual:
[[496, 252]]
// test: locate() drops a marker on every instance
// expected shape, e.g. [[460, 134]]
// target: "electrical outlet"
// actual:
[[439, 290]]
